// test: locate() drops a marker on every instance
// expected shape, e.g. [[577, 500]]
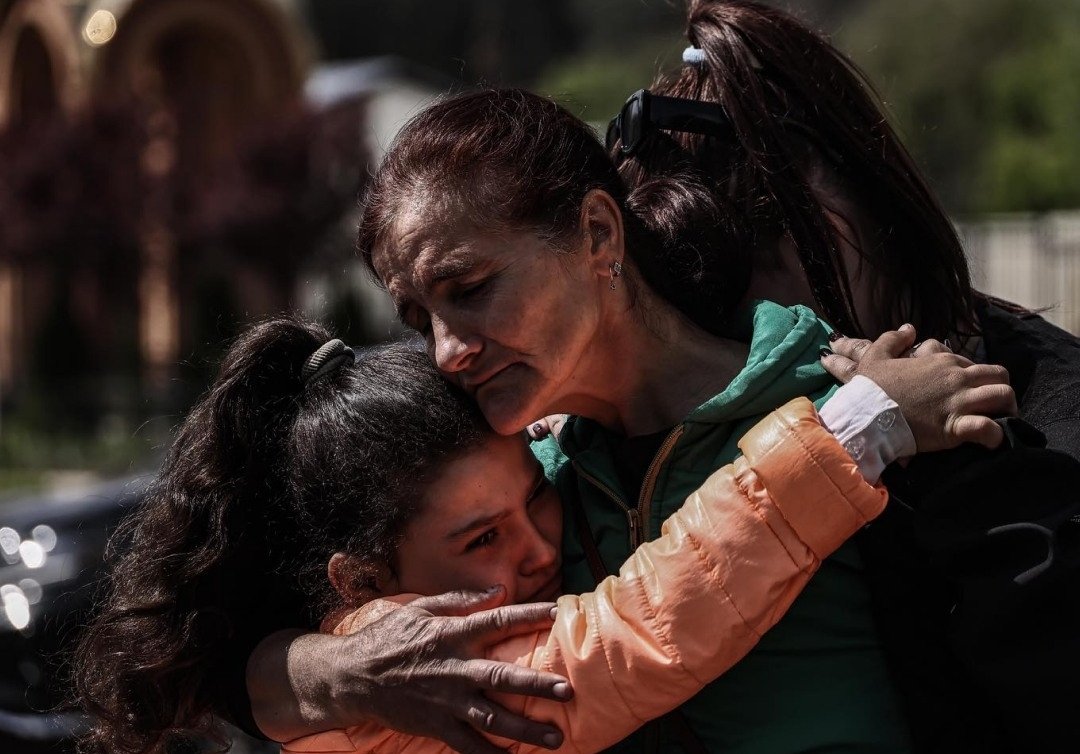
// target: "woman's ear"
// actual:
[[359, 580], [602, 227]]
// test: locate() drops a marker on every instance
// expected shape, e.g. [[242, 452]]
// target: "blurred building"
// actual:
[[164, 179], [1031, 259]]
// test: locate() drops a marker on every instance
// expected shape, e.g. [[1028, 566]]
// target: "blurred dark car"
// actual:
[[51, 564], [51, 560]]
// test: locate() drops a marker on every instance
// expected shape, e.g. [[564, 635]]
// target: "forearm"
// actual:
[[290, 681], [688, 606]]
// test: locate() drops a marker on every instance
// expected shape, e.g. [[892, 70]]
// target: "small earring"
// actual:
[[616, 270]]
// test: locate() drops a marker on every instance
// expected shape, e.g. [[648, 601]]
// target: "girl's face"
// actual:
[[506, 317], [489, 518]]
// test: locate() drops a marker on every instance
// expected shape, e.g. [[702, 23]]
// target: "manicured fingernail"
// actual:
[[906, 326], [552, 740], [561, 690], [554, 612], [835, 336], [824, 352], [493, 589], [538, 431]]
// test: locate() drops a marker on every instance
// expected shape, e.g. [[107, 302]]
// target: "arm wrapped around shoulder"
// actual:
[[686, 607], [807, 474]]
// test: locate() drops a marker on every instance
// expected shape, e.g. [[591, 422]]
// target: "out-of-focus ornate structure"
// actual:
[[160, 171]]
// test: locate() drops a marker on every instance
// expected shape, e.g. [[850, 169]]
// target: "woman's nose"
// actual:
[[451, 350]]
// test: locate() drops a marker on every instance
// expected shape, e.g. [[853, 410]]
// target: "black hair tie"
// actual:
[[328, 358]]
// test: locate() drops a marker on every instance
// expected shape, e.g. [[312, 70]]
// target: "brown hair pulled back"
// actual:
[[797, 103], [509, 160], [266, 479]]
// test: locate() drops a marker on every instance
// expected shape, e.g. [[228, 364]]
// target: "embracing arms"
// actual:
[[687, 606]]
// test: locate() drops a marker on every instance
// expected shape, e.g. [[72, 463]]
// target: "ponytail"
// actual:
[[267, 478], [797, 105], [177, 565]]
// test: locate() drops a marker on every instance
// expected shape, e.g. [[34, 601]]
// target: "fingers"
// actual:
[[891, 344], [508, 678], [462, 602], [840, 367], [977, 375], [853, 349], [463, 738], [549, 425], [895, 343], [928, 347], [489, 717], [491, 626], [989, 400], [538, 430], [556, 422], [979, 429]]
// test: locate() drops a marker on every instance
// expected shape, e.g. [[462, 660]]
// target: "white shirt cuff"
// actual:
[[870, 426]]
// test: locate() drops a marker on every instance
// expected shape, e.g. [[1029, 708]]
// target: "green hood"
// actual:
[[783, 363]]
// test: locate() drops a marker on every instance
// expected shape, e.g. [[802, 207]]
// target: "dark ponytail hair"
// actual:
[[506, 159], [796, 102], [266, 479]]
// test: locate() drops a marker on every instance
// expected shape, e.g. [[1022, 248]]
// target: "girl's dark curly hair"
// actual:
[[265, 476]]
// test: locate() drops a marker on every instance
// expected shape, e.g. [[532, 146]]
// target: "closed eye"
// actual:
[[474, 290]]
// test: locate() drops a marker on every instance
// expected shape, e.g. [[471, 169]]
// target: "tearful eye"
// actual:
[[483, 540]]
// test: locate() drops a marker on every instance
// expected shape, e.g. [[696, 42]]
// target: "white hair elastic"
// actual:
[[693, 56]]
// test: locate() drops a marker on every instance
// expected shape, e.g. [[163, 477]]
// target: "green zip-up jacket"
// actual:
[[817, 682]]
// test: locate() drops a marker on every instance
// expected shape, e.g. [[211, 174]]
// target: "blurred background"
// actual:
[[173, 169]]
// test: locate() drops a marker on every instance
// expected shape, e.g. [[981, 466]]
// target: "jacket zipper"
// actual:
[[648, 485], [631, 513], [638, 517]]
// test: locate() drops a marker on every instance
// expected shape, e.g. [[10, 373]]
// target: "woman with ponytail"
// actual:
[[843, 221], [840, 219], [365, 483]]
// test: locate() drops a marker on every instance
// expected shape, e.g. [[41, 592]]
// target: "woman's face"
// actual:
[[506, 317], [489, 518]]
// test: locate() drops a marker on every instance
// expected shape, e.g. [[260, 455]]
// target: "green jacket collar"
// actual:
[[782, 363]]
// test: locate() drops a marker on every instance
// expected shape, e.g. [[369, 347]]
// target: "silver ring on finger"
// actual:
[[481, 716]]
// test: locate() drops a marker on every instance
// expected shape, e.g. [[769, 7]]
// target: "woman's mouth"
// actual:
[[472, 385]]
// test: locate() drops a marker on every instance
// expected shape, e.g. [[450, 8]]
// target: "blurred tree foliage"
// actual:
[[986, 93]]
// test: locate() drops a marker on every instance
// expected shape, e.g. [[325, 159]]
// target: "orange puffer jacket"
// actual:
[[685, 607]]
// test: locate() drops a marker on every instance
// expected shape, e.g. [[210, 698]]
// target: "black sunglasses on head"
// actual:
[[645, 110]]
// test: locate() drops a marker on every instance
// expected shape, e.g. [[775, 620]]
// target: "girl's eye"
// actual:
[[483, 540]]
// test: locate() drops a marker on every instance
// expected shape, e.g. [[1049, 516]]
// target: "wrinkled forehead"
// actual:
[[426, 243]]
